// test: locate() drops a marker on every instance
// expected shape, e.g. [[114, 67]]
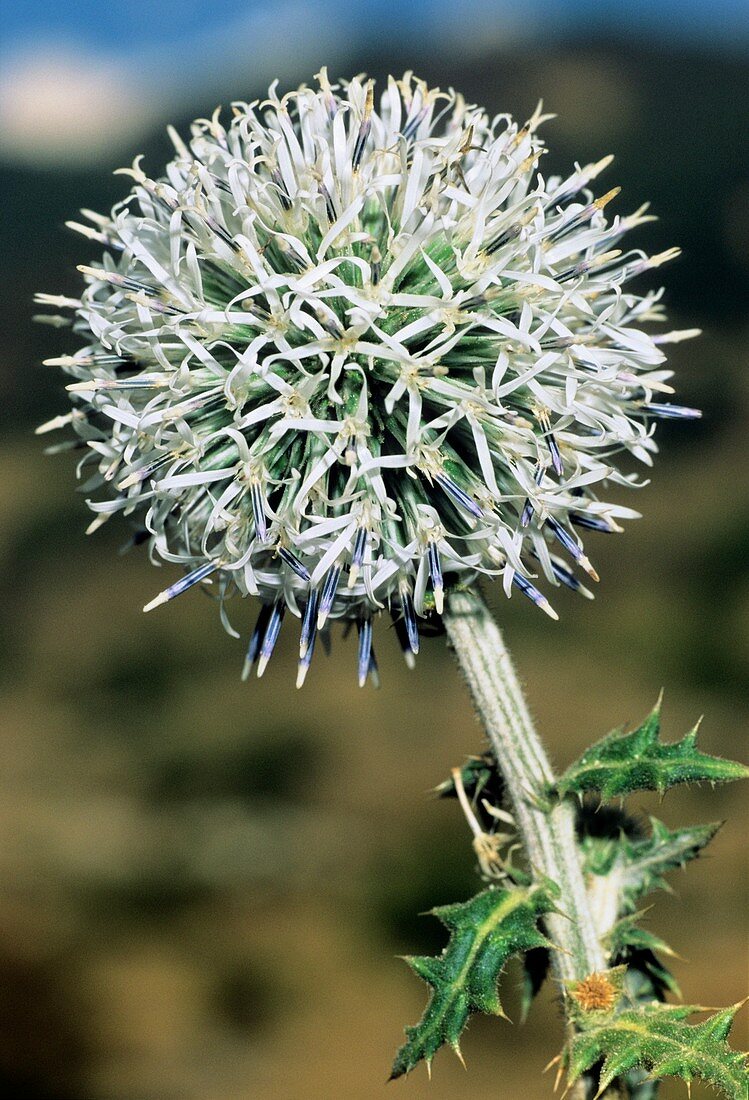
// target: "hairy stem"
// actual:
[[548, 836]]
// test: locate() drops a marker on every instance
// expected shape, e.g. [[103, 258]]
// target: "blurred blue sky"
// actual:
[[79, 80], [130, 24]]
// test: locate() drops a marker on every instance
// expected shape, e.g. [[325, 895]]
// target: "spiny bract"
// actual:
[[338, 352]]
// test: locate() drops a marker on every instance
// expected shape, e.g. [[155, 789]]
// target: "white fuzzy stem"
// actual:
[[548, 836]]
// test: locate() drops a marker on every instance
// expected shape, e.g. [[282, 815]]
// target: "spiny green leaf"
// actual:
[[484, 933], [657, 1038], [638, 865], [639, 761]]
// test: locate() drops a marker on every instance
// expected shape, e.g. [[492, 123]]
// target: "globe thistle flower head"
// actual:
[[347, 351]]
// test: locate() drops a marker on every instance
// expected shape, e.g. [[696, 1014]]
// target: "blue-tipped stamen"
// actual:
[[573, 272], [365, 649], [573, 549], [304, 662], [582, 215], [327, 596], [435, 573], [526, 514], [258, 511], [99, 385], [329, 207], [361, 142], [673, 412], [280, 189], [182, 585], [504, 238], [136, 477], [293, 561], [309, 622], [401, 633], [307, 638], [271, 635], [458, 495], [592, 523], [566, 577], [556, 458], [366, 126], [533, 594], [413, 124], [360, 546], [409, 618], [118, 280], [256, 638]]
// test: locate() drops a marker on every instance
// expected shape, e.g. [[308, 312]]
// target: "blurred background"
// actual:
[[204, 885]]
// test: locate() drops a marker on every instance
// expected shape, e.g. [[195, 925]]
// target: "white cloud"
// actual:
[[62, 102], [59, 103]]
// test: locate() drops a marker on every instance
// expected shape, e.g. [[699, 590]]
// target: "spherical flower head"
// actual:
[[348, 351]]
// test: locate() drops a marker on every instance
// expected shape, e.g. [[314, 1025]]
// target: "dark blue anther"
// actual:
[[328, 594], [365, 649], [253, 649], [195, 577], [458, 495], [673, 412], [527, 512], [307, 638], [360, 545], [591, 523], [435, 573], [293, 561], [528, 589], [271, 635], [309, 622], [258, 511], [565, 576], [361, 141], [413, 124], [565, 538], [556, 458], [409, 618]]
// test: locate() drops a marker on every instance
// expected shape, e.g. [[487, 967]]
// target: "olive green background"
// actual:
[[204, 884]]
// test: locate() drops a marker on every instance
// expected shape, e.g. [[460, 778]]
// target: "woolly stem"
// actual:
[[548, 836]]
